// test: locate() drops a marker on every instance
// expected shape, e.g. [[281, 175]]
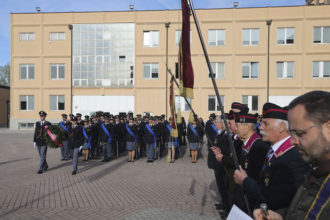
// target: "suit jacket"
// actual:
[[279, 178], [39, 132], [103, 137], [66, 124], [76, 136], [128, 136], [148, 138], [192, 138]]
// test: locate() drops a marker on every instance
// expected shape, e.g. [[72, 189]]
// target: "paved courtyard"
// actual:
[[114, 190]]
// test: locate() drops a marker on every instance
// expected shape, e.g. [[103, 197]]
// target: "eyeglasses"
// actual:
[[301, 133]]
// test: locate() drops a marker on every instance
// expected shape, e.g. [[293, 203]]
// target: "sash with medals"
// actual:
[[106, 132], [130, 132], [63, 126], [87, 138], [153, 134]]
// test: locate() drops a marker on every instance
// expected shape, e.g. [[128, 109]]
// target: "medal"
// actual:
[[266, 181]]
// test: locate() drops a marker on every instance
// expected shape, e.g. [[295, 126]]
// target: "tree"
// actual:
[[5, 75]]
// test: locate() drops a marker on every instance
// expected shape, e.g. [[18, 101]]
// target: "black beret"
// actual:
[[64, 115], [231, 115], [246, 118], [239, 106], [271, 110]]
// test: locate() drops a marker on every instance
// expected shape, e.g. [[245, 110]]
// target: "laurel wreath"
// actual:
[[58, 133]]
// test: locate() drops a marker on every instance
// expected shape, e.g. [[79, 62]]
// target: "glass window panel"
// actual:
[[53, 71], [147, 38], [53, 102], [326, 34], [280, 36], [246, 36], [326, 72], [76, 82], [83, 82], [61, 102], [254, 103], [212, 37], [155, 38], [246, 70], [316, 69], [290, 35], [146, 71], [76, 75], [254, 70], [255, 37], [84, 36], [83, 75], [30, 102], [317, 35], [279, 71], [31, 36], [61, 71], [245, 100], [220, 37], [23, 70], [177, 37], [31, 71], [290, 69], [23, 105], [91, 59], [221, 70], [211, 103]]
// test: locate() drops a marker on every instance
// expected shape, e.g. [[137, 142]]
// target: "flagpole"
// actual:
[[217, 94]]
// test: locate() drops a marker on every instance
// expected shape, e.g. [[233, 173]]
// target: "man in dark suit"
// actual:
[[77, 140], [64, 124], [40, 142], [284, 167]]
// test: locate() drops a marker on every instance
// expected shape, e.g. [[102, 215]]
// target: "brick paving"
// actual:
[[114, 190]]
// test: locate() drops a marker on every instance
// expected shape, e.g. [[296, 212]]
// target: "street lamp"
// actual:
[[38, 9], [235, 4], [268, 22], [167, 25], [70, 26], [131, 7]]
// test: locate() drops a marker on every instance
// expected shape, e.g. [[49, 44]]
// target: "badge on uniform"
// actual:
[[266, 181], [246, 164]]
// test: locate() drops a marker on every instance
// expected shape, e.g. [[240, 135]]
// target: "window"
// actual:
[[26, 102], [250, 70], [321, 35], [26, 71], [285, 35], [285, 69], [181, 103], [219, 70], [178, 37], [57, 71], [23, 125], [213, 104], [57, 102], [26, 36], [216, 37], [251, 101], [150, 38], [122, 59], [150, 70], [56, 36], [250, 36], [321, 69]]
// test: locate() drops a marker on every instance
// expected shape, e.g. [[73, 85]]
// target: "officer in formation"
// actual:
[[39, 141]]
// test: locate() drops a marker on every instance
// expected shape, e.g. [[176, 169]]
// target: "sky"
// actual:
[[24, 6]]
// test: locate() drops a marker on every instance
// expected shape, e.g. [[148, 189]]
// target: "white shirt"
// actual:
[[278, 144]]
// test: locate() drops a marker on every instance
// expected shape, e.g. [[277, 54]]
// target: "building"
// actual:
[[119, 59], [4, 105]]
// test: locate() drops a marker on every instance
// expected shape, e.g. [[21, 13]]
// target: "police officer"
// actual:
[[80, 122], [87, 133], [40, 142], [106, 131], [77, 139], [131, 138], [194, 134], [64, 124], [150, 139]]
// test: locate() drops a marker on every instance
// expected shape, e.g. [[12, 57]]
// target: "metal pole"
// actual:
[[268, 22], [229, 135], [167, 25], [71, 29]]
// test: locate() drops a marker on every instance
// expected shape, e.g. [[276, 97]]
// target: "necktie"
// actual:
[[269, 154]]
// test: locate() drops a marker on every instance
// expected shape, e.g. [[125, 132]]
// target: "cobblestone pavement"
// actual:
[[114, 190]]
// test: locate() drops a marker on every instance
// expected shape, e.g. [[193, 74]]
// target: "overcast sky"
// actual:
[[21, 6]]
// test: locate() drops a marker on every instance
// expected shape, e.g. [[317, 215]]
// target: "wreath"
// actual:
[[54, 136]]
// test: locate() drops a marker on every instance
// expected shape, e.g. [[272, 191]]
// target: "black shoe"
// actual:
[[39, 171], [62, 159], [103, 160], [223, 214], [45, 168], [129, 161], [74, 172]]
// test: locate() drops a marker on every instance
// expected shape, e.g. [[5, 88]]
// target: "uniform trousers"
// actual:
[[150, 151], [65, 150], [75, 158], [42, 150], [107, 151]]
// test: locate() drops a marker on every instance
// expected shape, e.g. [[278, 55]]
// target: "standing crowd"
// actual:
[[283, 154]]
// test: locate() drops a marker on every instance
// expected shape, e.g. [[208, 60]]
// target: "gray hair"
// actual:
[[218, 119], [286, 123]]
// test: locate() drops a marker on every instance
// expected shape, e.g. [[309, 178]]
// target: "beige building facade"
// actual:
[[118, 60]]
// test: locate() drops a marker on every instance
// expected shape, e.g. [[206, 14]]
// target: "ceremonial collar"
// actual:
[[250, 141], [282, 147]]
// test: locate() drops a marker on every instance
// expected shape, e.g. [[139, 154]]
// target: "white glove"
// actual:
[[80, 148], [34, 145]]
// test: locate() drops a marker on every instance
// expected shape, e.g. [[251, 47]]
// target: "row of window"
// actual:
[[57, 71], [216, 37], [250, 70], [57, 103]]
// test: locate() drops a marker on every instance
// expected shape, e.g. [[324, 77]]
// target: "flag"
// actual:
[[174, 128], [185, 65]]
